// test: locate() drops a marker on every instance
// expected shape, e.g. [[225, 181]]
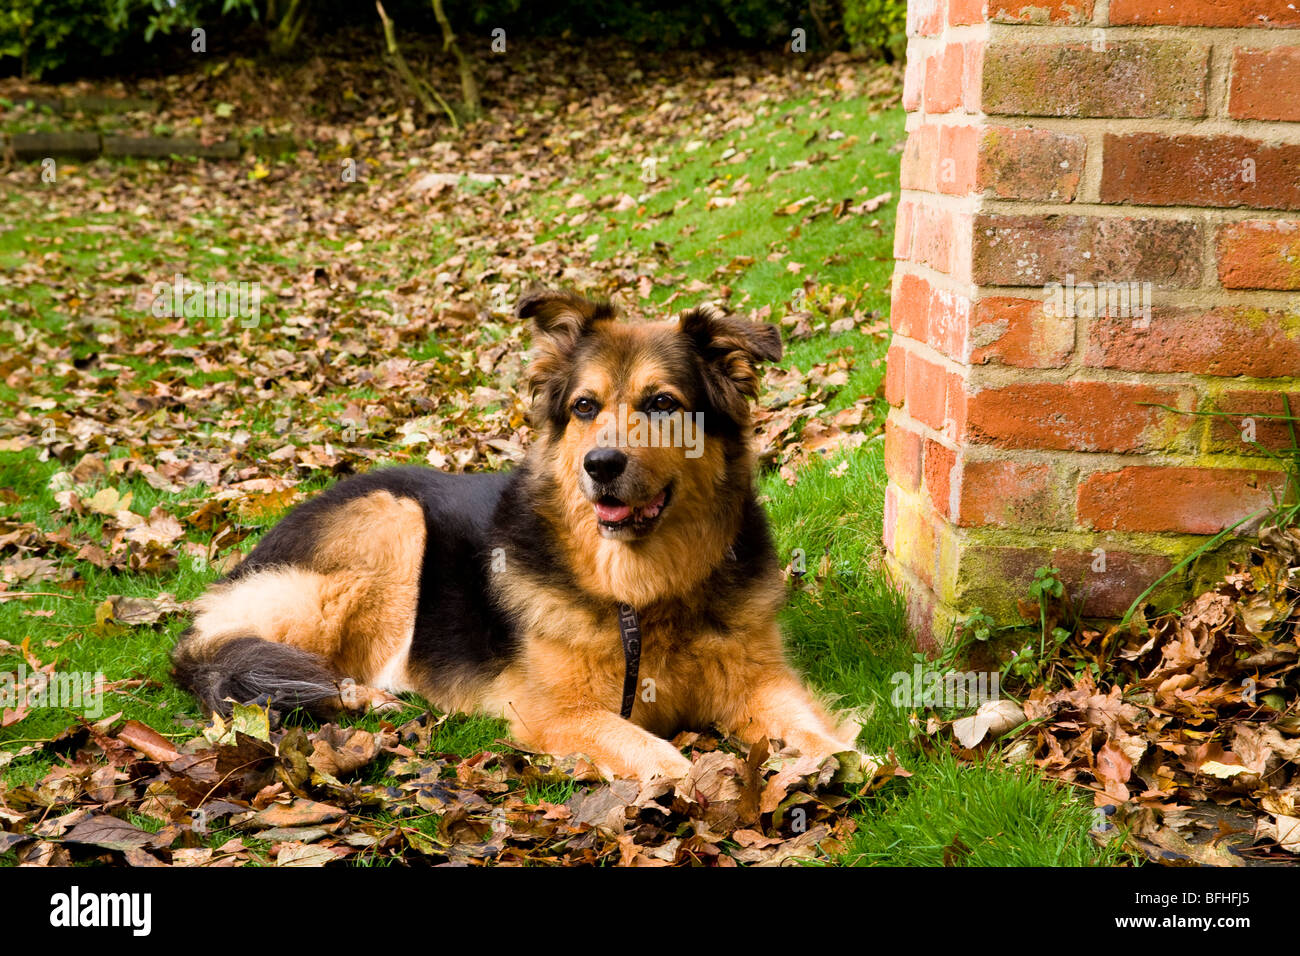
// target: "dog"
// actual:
[[528, 594]]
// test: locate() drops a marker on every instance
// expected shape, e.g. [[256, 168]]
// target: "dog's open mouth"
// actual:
[[613, 514]]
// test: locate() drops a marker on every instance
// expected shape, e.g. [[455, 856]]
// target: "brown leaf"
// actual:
[[298, 813], [148, 741], [108, 832], [1113, 771], [338, 751]]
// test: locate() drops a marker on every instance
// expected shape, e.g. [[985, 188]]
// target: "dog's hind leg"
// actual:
[[320, 634], [274, 635]]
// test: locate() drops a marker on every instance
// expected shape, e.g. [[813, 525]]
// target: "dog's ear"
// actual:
[[561, 317], [560, 320], [731, 349]]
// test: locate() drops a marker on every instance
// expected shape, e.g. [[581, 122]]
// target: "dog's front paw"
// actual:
[[668, 764], [674, 769]]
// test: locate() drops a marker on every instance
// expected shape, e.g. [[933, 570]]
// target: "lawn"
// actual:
[[139, 451]]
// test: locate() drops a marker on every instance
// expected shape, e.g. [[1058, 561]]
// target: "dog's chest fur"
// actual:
[[693, 654]]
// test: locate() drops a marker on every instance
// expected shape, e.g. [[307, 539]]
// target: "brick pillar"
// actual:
[[1068, 164]]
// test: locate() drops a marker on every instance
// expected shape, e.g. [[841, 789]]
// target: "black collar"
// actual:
[[629, 628]]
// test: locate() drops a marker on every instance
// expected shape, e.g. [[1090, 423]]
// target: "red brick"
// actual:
[[1136, 78], [1206, 13], [1230, 340], [1072, 12], [903, 229], [914, 536], [924, 18], [1230, 434], [1109, 592], [948, 322], [934, 395], [1265, 84], [958, 156], [920, 158], [1029, 164], [933, 234], [902, 455], [923, 558], [939, 464], [1102, 593], [963, 225], [913, 83], [895, 375], [1260, 254], [910, 306], [927, 391], [936, 316], [1037, 250], [943, 80], [1072, 416], [965, 12], [972, 80], [890, 524], [1155, 169], [1188, 500], [921, 605], [1020, 333], [1010, 494]]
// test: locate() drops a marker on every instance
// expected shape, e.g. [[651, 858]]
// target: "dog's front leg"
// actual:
[[779, 706], [618, 747]]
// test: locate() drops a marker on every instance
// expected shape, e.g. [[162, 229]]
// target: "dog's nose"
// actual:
[[604, 464]]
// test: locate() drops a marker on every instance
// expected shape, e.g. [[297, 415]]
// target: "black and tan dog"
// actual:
[[501, 593]]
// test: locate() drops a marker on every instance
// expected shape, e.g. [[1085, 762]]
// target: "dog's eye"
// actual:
[[585, 408], [663, 403]]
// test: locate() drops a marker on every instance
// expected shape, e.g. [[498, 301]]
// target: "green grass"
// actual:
[[850, 637], [846, 627], [672, 221], [987, 815]]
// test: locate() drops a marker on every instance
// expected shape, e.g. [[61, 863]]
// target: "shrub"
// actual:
[[43, 36], [39, 37], [694, 23], [877, 27]]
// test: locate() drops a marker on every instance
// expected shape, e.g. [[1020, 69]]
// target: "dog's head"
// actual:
[[645, 426]]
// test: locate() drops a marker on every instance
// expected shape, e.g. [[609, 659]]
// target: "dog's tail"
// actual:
[[247, 668], [256, 636]]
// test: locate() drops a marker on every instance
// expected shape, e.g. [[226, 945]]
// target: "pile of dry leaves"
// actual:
[[244, 793], [1190, 737]]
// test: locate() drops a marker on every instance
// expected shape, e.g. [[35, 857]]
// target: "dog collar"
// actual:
[[629, 628]]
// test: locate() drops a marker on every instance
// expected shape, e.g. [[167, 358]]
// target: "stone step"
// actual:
[[158, 147], [84, 146], [38, 146], [93, 104]]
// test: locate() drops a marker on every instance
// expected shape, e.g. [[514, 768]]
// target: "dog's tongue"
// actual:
[[620, 512], [612, 513]]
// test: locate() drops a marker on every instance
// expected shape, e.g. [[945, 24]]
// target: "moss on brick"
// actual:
[[1140, 78]]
